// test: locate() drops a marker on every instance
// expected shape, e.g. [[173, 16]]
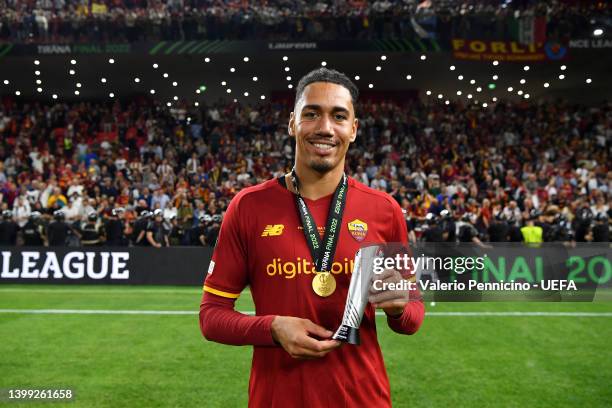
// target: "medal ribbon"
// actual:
[[322, 251]]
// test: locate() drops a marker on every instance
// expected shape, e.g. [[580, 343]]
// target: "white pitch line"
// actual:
[[99, 312], [522, 314], [192, 312], [114, 291]]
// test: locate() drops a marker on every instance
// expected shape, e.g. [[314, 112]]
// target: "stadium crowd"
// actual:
[[280, 20], [138, 173]]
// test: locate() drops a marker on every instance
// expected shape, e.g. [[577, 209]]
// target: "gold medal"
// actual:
[[324, 284]]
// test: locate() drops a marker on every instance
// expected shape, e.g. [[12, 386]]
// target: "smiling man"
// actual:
[[292, 240]]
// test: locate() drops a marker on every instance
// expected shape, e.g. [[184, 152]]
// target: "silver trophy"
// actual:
[[357, 298]]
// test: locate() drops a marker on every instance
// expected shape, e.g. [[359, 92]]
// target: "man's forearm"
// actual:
[[221, 323]]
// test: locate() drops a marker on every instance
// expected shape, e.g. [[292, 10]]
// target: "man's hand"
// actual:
[[293, 334], [391, 301]]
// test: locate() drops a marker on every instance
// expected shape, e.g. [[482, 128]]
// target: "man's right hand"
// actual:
[[293, 334]]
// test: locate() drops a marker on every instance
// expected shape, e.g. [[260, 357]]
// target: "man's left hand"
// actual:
[[391, 301]]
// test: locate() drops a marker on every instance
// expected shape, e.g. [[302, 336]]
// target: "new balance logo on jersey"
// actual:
[[273, 230]]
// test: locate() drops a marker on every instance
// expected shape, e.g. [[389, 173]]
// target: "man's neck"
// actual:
[[314, 185]]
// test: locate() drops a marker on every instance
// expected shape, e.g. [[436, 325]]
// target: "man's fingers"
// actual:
[[329, 345], [384, 274], [316, 345], [387, 296], [297, 337], [388, 275], [306, 354], [325, 346], [303, 353], [391, 304], [307, 347], [317, 330]]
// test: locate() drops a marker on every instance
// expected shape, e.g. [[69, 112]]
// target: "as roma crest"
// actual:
[[358, 229]]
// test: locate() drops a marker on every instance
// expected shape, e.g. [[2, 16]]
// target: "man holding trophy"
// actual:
[[294, 241]]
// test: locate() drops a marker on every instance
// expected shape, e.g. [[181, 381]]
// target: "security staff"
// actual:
[[514, 231], [140, 229], [498, 229], [32, 231], [560, 231], [155, 231], [113, 228], [212, 233], [449, 228], [601, 229], [467, 232], [177, 232], [8, 229], [411, 225], [58, 230], [582, 223], [433, 233], [91, 233], [197, 234], [533, 234]]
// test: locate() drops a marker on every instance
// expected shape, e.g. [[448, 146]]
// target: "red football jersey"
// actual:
[[262, 245]]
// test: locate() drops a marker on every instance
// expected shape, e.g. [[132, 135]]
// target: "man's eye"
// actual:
[[340, 117], [309, 114]]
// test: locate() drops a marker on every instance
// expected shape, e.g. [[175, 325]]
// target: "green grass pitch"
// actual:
[[163, 361]]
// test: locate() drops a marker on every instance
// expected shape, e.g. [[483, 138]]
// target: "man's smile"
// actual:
[[322, 147]]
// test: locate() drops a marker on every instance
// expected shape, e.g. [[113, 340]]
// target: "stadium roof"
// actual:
[[582, 78]]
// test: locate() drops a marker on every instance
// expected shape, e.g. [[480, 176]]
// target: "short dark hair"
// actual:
[[327, 75]]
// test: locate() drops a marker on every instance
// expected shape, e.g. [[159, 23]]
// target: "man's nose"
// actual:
[[325, 126]]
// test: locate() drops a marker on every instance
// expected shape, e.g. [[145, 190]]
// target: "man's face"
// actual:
[[323, 124]]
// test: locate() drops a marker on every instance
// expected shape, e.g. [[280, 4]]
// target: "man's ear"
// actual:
[[354, 130], [290, 128]]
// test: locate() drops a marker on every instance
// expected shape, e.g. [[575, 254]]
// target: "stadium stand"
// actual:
[[138, 20], [138, 166]]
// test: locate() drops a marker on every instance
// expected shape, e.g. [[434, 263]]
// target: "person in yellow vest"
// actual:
[[57, 197], [532, 234]]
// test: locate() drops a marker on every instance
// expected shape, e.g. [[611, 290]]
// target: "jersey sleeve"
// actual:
[[227, 273], [227, 277], [221, 323], [410, 320]]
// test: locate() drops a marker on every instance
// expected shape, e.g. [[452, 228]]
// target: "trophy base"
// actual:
[[347, 334]]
